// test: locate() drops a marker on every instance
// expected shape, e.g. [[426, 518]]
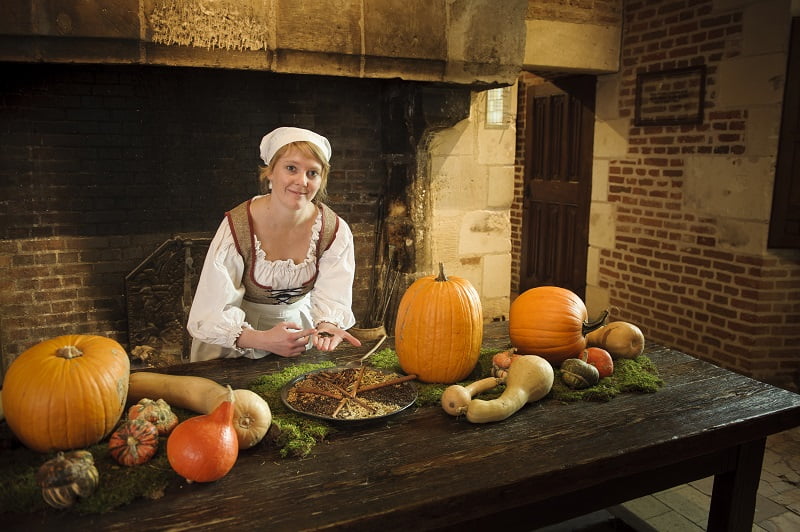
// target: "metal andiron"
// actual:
[[158, 294]]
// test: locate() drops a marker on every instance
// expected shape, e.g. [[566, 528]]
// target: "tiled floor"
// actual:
[[685, 508]]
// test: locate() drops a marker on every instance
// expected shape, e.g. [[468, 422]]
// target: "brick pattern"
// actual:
[[99, 165], [667, 272], [516, 213]]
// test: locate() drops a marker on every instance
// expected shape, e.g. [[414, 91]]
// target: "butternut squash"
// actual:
[[620, 338], [252, 416], [530, 378], [456, 398]]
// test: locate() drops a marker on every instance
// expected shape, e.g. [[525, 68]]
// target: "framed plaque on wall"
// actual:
[[670, 97]]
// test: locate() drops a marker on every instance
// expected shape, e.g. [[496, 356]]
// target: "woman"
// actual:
[[279, 272]]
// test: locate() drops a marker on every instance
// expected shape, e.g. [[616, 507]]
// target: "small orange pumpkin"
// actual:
[[66, 393], [134, 442], [439, 328], [205, 448], [551, 322]]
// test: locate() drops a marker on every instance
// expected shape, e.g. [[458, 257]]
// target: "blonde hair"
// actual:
[[309, 149]]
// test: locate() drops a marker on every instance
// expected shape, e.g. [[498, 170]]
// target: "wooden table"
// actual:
[[423, 469]]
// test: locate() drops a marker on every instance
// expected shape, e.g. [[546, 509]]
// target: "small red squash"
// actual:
[[439, 328], [134, 442], [601, 359], [551, 322], [205, 448]]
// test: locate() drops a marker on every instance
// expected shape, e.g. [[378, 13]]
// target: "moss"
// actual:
[[295, 435], [19, 491], [269, 386], [385, 359], [638, 375], [120, 485]]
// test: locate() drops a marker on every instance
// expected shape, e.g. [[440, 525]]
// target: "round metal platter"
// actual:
[[408, 387]]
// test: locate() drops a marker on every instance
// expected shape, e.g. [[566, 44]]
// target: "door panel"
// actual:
[[784, 225], [557, 184]]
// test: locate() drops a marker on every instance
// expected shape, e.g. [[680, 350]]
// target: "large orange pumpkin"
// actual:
[[66, 393], [439, 328], [551, 322]]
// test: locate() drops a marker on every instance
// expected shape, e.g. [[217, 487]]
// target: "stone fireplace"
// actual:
[[127, 138]]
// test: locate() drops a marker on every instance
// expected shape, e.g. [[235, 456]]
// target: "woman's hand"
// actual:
[[329, 336], [286, 339]]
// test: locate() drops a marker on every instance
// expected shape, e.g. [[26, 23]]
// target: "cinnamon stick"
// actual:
[[358, 380], [347, 394], [355, 391], [340, 406], [318, 392], [398, 380]]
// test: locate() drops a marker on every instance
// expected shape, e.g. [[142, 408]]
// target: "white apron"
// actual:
[[261, 317]]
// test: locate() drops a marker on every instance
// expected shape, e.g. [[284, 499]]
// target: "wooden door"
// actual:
[[784, 225], [559, 135]]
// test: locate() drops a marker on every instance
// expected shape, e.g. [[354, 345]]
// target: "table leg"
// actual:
[[733, 501]]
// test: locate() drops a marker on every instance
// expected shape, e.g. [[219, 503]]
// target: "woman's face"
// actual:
[[295, 178]]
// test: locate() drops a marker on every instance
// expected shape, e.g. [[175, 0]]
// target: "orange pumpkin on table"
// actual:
[[439, 328], [66, 393], [551, 322]]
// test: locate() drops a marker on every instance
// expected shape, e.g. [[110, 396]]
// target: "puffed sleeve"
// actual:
[[332, 297], [216, 317]]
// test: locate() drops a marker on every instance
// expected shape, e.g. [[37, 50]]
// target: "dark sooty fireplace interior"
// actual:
[[103, 166]]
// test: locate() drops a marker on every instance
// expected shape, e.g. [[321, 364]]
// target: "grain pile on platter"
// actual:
[[351, 393]]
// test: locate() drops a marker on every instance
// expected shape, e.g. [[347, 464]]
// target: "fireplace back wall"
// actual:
[[101, 164]]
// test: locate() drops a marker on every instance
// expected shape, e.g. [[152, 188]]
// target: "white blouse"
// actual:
[[216, 316]]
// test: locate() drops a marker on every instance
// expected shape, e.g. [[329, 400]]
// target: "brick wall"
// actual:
[[526, 79], [693, 279], [99, 165], [675, 268]]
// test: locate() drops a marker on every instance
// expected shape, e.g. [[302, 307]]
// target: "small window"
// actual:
[[497, 107]]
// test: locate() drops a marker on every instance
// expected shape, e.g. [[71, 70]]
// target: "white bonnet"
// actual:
[[277, 138]]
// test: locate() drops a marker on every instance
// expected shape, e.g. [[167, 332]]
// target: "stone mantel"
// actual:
[[469, 42]]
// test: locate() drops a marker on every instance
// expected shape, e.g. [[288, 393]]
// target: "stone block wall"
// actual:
[[680, 213], [471, 190], [572, 36]]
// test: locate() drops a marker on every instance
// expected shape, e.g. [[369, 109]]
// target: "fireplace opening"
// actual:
[[111, 167]]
